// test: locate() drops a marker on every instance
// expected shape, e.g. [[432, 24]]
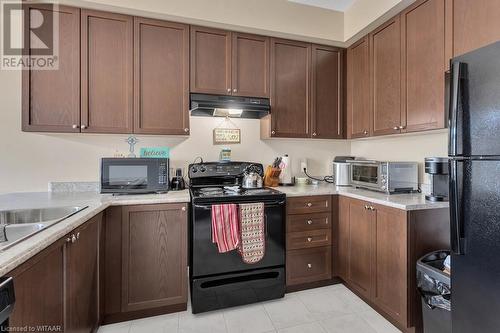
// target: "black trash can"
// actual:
[[435, 288]]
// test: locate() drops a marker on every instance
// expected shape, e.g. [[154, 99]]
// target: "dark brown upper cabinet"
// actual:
[[161, 77], [475, 24], [290, 90], [424, 65], [358, 90], [107, 72], [210, 61], [229, 63], [250, 65], [51, 98], [385, 56], [327, 92]]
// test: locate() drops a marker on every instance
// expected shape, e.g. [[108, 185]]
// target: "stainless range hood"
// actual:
[[229, 106]]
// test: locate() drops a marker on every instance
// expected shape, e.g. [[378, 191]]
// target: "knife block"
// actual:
[[271, 176]]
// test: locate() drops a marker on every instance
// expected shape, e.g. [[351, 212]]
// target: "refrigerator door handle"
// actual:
[[458, 73], [456, 220]]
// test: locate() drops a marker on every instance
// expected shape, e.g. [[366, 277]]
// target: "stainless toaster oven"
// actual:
[[388, 177]]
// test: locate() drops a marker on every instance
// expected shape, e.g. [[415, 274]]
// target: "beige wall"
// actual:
[[409, 147], [278, 18]]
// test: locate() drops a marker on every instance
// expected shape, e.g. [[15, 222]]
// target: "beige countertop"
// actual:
[[12, 257]]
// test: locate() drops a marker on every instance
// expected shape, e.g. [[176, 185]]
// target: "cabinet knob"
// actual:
[[372, 208], [273, 132], [183, 209], [310, 222], [396, 128], [365, 132], [309, 239], [186, 130], [309, 204], [309, 266], [228, 90], [77, 235], [75, 126], [73, 238], [68, 240], [235, 90], [83, 127], [314, 134], [367, 207], [402, 127]]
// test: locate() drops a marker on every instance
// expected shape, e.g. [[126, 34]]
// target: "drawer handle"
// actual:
[[309, 204], [309, 222], [309, 266], [309, 239]]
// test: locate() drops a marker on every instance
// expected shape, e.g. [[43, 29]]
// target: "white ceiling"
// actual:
[[339, 5]]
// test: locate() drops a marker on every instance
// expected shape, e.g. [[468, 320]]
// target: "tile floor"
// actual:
[[332, 309]]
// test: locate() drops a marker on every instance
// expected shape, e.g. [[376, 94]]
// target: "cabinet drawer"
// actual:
[[308, 222], [311, 204], [308, 265], [307, 239]]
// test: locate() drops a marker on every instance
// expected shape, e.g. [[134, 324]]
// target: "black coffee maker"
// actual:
[[437, 168], [177, 183]]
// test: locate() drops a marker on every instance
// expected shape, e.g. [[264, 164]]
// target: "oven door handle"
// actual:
[[266, 205]]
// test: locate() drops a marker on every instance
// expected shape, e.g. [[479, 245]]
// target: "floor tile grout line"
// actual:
[[269, 316]]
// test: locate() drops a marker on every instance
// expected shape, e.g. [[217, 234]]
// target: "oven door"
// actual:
[[366, 175], [205, 257]]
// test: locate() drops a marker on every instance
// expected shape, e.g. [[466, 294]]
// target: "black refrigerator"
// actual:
[[474, 151]]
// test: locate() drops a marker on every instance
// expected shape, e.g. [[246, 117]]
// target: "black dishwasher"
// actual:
[[7, 300]]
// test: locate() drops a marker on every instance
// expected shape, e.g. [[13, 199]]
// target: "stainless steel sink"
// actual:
[[17, 225]]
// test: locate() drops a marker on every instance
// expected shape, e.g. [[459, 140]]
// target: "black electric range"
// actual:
[[220, 280]]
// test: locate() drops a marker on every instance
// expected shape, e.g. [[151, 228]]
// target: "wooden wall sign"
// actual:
[[224, 136]]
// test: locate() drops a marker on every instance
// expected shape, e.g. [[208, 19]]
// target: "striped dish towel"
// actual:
[[225, 227], [252, 247]]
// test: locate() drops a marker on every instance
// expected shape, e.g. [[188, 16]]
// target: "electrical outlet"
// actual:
[[303, 164]]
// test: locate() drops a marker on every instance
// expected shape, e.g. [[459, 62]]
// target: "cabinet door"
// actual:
[[82, 278], [475, 24], [290, 88], [154, 256], [359, 267], [107, 72], [161, 80], [386, 78], [358, 90], [326, 92], [342, 238], [250, 65], [39, 287], [210, 61], [51, 98], [423, 33], [390, 262]]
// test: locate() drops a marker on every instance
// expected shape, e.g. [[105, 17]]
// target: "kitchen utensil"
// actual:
[[252, 178]]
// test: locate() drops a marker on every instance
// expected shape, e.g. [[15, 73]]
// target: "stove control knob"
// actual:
[[194, 169], [203, 169]]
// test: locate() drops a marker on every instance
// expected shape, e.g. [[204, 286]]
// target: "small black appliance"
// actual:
[[7, 300], [437, 168], [220, 280], [177, 183]]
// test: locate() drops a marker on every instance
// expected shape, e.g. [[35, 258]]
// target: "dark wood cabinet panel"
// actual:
[[308, 265], [342, 238], [475, 24], [154, 256], [82, 273], [307, 239], [39, 285], [308, 222], [310, 204], [327, 92], [423, 35], [161, 77], [210, 61], [290, 89], [359, 107], [51, 98], [107, 72], [390, 262], [359, 269], [385, 49], [250, 65]]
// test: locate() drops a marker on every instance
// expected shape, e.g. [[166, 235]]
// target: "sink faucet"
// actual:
[[3, 233]]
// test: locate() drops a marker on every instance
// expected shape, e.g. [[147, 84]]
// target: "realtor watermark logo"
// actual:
[[29, 36]]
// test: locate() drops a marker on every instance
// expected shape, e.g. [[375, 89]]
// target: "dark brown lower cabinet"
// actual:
[[145, 261], [59, 286], [378, 247]]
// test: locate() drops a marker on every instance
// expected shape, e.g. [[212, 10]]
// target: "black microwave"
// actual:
[[134, 175]]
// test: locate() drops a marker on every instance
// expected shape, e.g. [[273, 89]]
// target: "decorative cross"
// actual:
[[132, 140]]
